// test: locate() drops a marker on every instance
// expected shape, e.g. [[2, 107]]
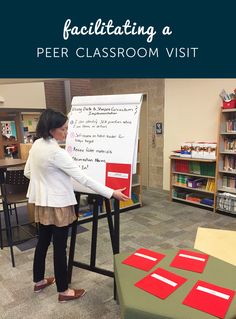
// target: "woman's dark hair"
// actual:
[[49, 120]]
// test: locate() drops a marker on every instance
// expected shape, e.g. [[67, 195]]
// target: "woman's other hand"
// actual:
[[119, 195]]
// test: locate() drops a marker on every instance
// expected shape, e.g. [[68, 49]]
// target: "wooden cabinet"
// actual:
[[226, 167], [192, 181]]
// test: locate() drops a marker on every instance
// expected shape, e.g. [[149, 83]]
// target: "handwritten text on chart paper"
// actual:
[[99, 135]]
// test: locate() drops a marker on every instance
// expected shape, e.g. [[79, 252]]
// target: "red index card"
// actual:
[[161, 283], [143, 259], [210, 298], [119, 176], [189, 260]]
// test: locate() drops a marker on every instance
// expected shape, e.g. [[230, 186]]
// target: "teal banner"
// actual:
[[158, 39]]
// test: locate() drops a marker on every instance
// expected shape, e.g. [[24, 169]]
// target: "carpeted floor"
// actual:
[[160, 223]]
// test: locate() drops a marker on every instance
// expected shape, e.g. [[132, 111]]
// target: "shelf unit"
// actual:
[[192, 181], [226, 166]]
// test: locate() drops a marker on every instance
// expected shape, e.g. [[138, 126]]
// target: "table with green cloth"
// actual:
[[139, 304]]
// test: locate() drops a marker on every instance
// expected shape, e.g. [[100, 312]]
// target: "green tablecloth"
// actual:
[[138, 304]]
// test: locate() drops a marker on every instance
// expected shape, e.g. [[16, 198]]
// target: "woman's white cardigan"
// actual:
[[50, 168]]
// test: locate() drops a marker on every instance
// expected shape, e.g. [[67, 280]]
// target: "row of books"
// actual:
[[231, 125], [229, 163], [193, 197], [207, 184], [230, 144], [203, 150], [207, 169], [229, 181], [87, 210]]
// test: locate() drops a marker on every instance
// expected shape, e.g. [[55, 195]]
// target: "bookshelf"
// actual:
[[192, 181], [226, 167]]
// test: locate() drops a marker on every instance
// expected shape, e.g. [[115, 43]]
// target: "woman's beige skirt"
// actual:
[[58, 216]]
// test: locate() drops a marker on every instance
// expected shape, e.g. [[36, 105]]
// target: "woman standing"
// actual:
[[50, 168]]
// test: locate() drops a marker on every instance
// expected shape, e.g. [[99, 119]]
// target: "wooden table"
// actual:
[[11, 162]]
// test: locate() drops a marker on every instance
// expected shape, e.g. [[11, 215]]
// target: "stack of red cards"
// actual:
[[143, 259], [189, 260]]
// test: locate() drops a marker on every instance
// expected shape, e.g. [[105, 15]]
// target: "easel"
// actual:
[[114, 229]]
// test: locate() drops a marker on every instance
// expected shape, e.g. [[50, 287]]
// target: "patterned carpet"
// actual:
[[159, 223]]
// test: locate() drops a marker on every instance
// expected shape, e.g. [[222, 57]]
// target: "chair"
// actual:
[[1, 203], [14, 189], [2, 181]]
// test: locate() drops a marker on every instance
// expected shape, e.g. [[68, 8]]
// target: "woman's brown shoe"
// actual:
[[77, 294], [50, 281]]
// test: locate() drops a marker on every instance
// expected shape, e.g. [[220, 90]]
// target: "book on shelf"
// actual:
[[181, 166], [135, 199], [195, 167], [229, 163], [186, 149], [229, 181], [231, 125], [230, 144], [200, 199], [127, 203], [180, 179], [210, 186]]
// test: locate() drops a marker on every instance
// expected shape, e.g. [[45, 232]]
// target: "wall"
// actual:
[[152, 147], [191, 113], [80, 87], [55, 95], [23, 95]]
